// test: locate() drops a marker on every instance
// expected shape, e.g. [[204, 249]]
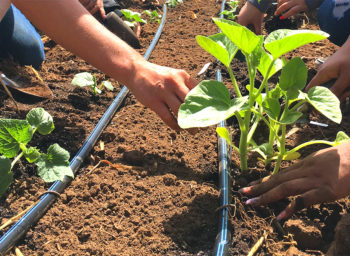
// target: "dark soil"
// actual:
[[158, 195]]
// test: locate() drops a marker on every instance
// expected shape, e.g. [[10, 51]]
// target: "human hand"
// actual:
[[335, 67], [94, 6], [162, 89], [250, 15], [321, 177], [290, 7]]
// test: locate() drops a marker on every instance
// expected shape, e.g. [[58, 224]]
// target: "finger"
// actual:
[[283, 190], [103, 12], [318, 79], [341, 84], [294, 10], [90, 6], [165, 114], [174, 103], [311, 197], [94, 9], [257, 28], [344, 95], [283, 8], [191, 82]]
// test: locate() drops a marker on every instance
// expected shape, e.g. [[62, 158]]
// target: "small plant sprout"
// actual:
[[87, 79], [14, 137], [231, 13], [276, 106], [173, 3], [153, 16], [132, 17]]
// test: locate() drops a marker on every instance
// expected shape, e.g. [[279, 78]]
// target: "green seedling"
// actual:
[[132, 17], [16, 134], [278, 106], [153, 16], [86, 79], [231, 13], [173, 3]]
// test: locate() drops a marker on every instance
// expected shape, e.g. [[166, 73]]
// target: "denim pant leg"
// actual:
[[334, 18], [19, 39]]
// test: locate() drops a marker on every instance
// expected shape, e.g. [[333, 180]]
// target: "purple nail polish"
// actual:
[[253, 201]]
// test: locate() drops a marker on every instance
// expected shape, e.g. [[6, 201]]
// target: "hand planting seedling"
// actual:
[[132, 17], [86, 79], [154, 16], [210, 102], [16, 134]]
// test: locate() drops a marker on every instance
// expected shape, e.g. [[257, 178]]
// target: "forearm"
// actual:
[[69, 24]]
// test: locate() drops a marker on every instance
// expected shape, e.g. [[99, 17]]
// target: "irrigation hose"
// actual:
[[10, 238], [223, 238]]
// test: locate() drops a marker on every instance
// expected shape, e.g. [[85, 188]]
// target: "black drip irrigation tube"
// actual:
[[10, 238], [223, 237]]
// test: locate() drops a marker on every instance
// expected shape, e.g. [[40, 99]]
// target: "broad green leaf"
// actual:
[[291, 156], [108, 85], [219, 46], [13, 133], [293, 75], [290, 117], [276, 92], [266, 148], [265, 62], [282, 41], [255, 55], [223, 133], [83, 79], [272, 107], [325, 102], [341, 138], [54, 165], [6, 176], [40, 119], [207, 104], [241, 36], [31, 154]]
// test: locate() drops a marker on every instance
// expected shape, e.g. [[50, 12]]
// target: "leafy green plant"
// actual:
[[132, 17], [231, 13], [210, 102], [87, 79], [153, 16], [173, 3], [16, 134]]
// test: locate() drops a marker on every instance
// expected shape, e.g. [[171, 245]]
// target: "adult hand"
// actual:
[[162, 89], [335, 67], [321, 177], [250, 15], [94, 6], [290, 7]]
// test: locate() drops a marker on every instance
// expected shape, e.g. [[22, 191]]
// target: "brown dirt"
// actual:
[[160, 194]]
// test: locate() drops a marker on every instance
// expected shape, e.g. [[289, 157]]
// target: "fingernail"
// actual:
[[281, 216], [282, 17], [244, 190], [253, 201]]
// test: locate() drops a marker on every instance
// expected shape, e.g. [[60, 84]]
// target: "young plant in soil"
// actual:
[[210, 102], [153, 16], [16, 134], [132, 17], [87, 79], [231, 13]]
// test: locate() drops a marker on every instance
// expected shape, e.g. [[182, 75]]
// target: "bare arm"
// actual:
[[71, 25]]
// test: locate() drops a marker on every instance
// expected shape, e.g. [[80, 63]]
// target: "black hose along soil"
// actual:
[[160, 195]]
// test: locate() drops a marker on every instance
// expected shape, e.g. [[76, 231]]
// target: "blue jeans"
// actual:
[[19, 39], [334, 20]]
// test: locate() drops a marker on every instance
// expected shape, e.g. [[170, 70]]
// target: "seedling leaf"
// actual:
[[265, 62], [282, 41], [272, 108], [32, 154], [341, 138], [83, 79], [108, 85], [219, 46], [290, 117], [13, 133], [291, 156], [207, 104], [223, 133], [293, 77], [325, 102], [55, 164], [41, 120], [5, 174], [241, 36]]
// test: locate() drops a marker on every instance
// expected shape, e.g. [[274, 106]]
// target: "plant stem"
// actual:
[[16, 160], [281, 151], [264, 83], [234, 82], [312, 142]]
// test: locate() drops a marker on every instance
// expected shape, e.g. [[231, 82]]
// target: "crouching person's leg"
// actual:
[[20, 40], [334, 18]]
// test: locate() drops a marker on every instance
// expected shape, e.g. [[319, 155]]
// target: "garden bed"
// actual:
[[159, 195]]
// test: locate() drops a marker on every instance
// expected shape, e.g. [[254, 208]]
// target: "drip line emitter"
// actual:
[[14, 234]]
